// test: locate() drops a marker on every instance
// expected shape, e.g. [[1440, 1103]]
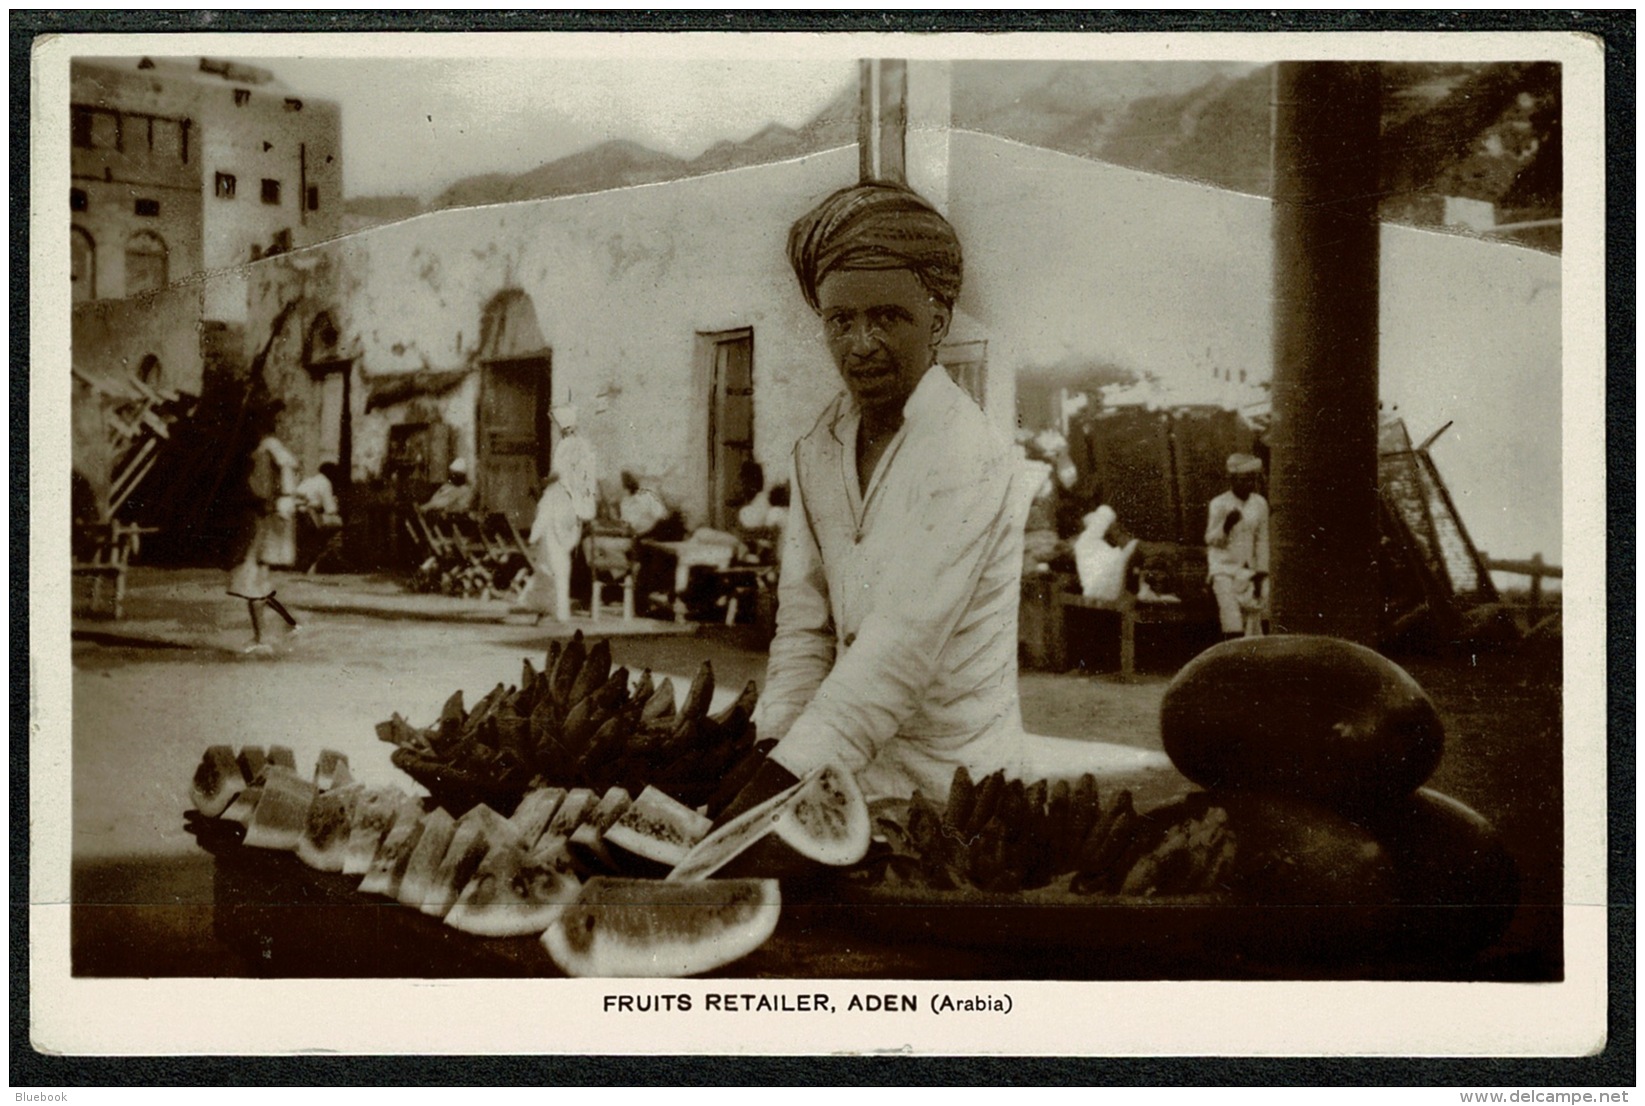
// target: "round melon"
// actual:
[[515, 892], [1315, 717], [624, 928], [1457, 883], [1314, 884]]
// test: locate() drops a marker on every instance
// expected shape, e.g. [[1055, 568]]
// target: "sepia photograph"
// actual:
[[498, 474]]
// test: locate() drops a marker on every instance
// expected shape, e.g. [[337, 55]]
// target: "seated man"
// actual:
[[895, 652], [317, 496], [456, 495], [641, 508]]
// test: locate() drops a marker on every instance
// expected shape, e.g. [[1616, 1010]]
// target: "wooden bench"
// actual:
[[1046, 611], [111, 546]]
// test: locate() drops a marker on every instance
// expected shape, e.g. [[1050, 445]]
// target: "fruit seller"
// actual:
[[895, 652], [1236, 536]]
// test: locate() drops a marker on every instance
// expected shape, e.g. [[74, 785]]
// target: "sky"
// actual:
[[415, 125]]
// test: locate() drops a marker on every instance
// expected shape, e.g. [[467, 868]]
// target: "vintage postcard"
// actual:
[[787, 544]]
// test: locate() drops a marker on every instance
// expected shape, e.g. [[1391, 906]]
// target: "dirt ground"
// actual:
[[142, 716]]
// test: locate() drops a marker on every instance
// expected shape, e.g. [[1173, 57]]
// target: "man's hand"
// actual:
[[771, 779], [1231, 521]]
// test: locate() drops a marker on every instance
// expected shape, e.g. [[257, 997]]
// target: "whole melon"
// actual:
[[1457, 883], [1316, 883], [646, 927], [1315, 717]]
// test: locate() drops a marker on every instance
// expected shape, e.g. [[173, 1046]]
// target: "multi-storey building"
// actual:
[[179, 166]]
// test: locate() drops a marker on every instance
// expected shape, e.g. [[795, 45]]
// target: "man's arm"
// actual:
[[917, 605], [802, 651], [1216, 524]]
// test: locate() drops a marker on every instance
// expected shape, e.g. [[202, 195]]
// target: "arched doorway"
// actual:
[[513, 432], [146, 258]]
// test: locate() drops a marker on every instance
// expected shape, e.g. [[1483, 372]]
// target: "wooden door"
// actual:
[[730, 424], [513, 436]]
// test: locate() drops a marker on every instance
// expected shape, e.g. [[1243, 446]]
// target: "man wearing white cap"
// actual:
[[1236, 537], [576, 465], [456, 495]]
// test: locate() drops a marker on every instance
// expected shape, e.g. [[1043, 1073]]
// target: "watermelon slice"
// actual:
[[242, 806], [251, 759], [438, 828], [216, 781], [579, 803], [283, 756], [735, 837], [281, 813], [325, 835], [374, 816], [644, 927], [331, 770], [515, 892], [586, 844], [657, 832], [472, 839], [533, 814], [388, 867]]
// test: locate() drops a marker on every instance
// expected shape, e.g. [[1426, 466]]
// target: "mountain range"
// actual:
[[1483, 132]]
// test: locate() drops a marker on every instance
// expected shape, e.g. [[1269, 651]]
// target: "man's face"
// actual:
[[1244, 483], [882, 328]]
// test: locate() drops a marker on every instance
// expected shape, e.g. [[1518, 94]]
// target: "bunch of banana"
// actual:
[[1004, 836], [579, 723]]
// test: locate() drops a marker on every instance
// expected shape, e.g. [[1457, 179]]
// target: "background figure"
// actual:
[[1236, 536], [317, 494], [268, 533], [456, 495], [641, 508], [576, 465], [554, 534], [751, 513]]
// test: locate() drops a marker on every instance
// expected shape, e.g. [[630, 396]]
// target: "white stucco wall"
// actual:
[[622, 283], [1072, 262]]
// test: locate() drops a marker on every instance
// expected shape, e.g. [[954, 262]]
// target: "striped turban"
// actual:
[[876, 225]]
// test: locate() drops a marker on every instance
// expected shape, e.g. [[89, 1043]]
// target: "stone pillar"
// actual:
[[1326, 261]]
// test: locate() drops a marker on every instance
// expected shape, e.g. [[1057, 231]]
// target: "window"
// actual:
[[82, 265], [242, 97], [225, 186], [148, 207], [271, 191], [80, 127], [282, 241], [314, 197], [145, 262], [293, 104], [105, 130], [77, 199]]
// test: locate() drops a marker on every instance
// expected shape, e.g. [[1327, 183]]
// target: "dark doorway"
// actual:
[[514, 438], [730, 422]]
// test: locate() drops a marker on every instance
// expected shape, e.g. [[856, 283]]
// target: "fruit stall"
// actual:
[[576, 823]]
